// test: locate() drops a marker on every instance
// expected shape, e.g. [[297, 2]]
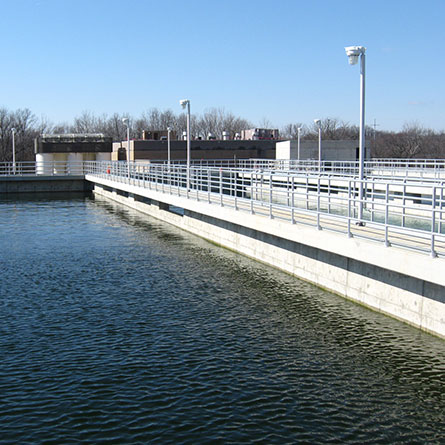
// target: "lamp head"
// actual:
[[184, 102], [13, 130], [169, 129], [317, 122], [353, 52], [125, 121]]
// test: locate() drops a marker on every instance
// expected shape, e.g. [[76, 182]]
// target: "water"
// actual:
[[116, 328]]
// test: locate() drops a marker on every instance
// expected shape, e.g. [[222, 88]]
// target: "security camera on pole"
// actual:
[[353, 53]]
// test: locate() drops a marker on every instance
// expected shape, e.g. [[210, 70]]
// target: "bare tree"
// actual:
[[408, 143], [290, 131]]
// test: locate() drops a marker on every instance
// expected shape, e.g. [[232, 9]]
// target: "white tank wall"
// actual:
[[44, 163], [89, 156], [60, 161], [66, 163], [74, 162], [103, 156]]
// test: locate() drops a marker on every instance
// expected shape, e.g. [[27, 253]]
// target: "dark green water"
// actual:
[[115, 328]]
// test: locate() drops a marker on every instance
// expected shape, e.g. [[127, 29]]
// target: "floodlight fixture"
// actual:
[[353, 52]]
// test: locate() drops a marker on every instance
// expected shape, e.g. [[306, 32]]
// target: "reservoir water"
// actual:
[[117, 328]]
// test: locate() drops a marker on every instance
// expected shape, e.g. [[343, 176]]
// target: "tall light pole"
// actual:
[[168, 146], [186, 103], [126, 122], [13, 131], [317, 122], [353, 53], [298, 142]]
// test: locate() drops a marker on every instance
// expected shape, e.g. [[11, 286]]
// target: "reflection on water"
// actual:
[[115, 327]]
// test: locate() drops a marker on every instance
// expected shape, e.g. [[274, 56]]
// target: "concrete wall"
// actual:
[[402, 284], [43, 184], [330, 150], [157, 150]]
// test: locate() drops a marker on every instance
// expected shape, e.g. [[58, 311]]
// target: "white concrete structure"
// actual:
[[341, 150]]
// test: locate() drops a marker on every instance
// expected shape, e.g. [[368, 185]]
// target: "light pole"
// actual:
[[168, 146], [126, 122], [354, 52], [186, 103], [13, 131], [298, 142], [318, 124]]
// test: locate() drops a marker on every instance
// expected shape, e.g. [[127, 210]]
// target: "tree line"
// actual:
[[413, 141]]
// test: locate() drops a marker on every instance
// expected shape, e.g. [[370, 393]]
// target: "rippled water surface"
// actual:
[[116, 328]]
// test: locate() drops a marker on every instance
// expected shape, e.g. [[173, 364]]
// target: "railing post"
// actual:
[[387, 242], [235, 188], [221, 187], [209, 185], [349, 210], [318, 204], [252, 175], [270, 195], [433, 223], [403, 203], [441, 207], [329, 194], [287, 189]]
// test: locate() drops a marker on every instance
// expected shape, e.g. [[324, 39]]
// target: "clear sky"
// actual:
[[280, 60]]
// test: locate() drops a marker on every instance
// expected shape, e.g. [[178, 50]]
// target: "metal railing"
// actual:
[[407, 212], [54, 168], [424, 170], [409, 215]]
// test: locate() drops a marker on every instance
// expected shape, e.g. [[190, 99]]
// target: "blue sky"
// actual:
[[279, 60]]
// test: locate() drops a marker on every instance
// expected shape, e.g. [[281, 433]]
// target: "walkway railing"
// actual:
[[419, 169], [410, 215], [405, 212]]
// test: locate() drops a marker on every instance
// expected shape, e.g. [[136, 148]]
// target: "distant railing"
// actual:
[[54, 168], [420, 169]]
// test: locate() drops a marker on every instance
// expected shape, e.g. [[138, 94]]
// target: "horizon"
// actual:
[[283, 64]]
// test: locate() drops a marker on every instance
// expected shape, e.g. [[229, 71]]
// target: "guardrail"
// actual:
[[408, 213], [54, 168], [420, 170]]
